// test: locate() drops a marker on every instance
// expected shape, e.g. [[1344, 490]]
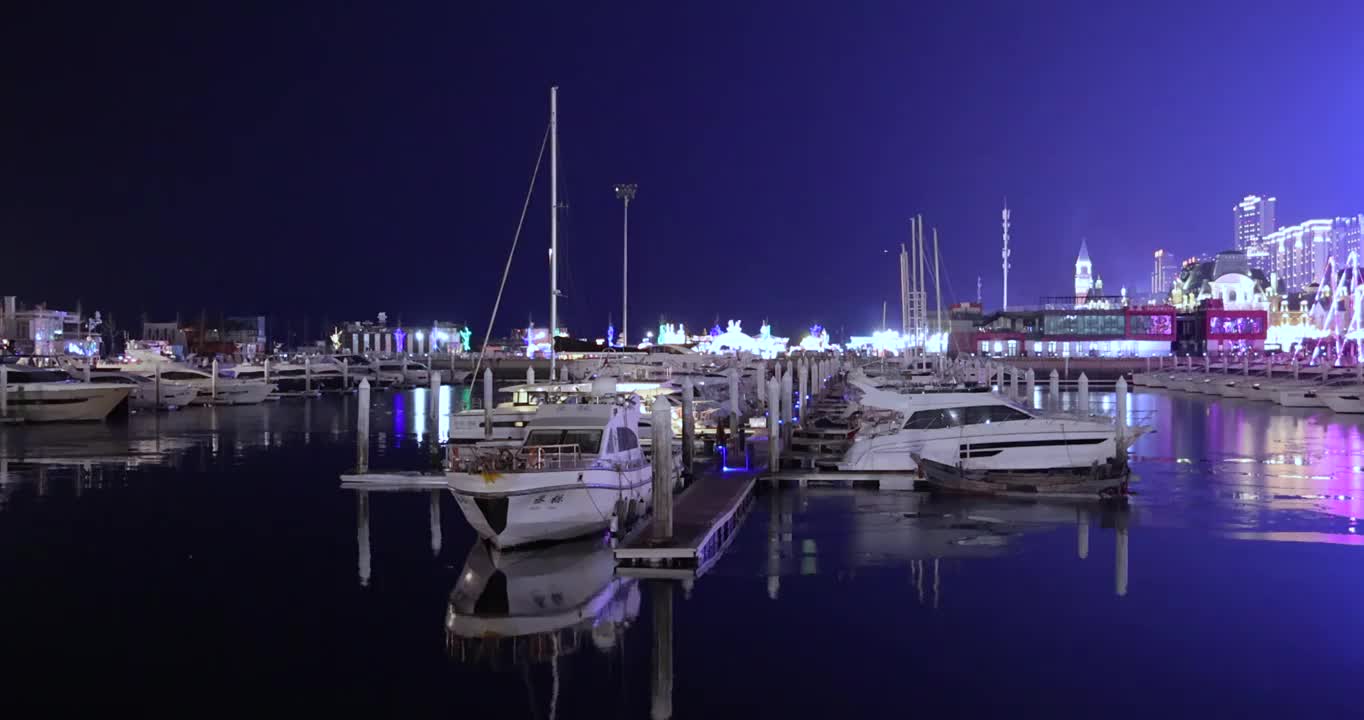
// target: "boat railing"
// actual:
[[529, 458]]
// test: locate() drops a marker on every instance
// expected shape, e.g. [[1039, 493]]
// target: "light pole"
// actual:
[[625, 193]]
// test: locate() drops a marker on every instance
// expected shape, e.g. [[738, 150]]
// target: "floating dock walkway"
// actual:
[[706, 517]]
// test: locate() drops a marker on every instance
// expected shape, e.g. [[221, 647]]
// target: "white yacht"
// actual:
[[42, 395], [512, 417], [390, 373], [978, 431], [290, 377], [144, 392], [580, 465], [563, 593]]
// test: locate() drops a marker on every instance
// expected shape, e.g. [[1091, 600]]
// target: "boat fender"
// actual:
[[580, 477]]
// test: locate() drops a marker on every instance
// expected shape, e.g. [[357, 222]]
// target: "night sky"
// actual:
[[341, 159]]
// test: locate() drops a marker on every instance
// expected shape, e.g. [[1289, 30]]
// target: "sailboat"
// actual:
[[580, 465]]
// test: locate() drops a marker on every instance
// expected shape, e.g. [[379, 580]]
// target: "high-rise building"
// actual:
[[1298, 253], [1345, 239], [1163, 274], [1254, 219], [1084, 274]]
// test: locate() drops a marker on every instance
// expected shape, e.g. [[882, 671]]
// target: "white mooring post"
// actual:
[[157, 380], [267, 371], [530, 374], [1121, 388], [662, 469], [1245, 365], [88, 363], [1013, 383], [773, 424], [1030, 386], [345, 375], [1054, 389], [1160, 362], [803, 373], [688, 428], [1148, 363], [1325, 368], [786, 413], [213, 383], [735, 421], [1295, 367], [362, 428], [4, 388], [487, 403], [433, 413], [308, 374], [1082, 397]]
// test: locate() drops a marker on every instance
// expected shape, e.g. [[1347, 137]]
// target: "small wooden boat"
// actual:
[[1107, 480]]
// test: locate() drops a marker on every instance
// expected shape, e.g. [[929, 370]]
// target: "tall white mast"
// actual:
[[904, 289], [1005, 254], [937, 282], [553, 225], [923, 285]]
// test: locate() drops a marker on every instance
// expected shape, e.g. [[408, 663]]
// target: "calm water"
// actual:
[[207, 560]]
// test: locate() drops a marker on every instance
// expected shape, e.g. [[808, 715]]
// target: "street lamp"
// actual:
[[625, 193]]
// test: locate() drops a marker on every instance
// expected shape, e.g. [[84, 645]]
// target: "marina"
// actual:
[[590, 361], [1238, 509]]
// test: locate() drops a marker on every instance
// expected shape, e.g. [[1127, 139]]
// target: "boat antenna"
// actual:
[[525, 207]]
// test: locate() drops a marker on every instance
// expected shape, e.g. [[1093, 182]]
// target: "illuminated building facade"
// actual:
[[1254, 219], [1163, 274], [1084, 274], [1298, 253]]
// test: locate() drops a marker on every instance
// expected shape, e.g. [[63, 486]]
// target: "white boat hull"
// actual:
[[520, 508], [232, 392], [64, 402], [173, 395], [1300, 397], [1351, 401]]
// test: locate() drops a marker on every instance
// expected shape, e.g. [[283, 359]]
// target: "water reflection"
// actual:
[[536, 605], [845, 532]]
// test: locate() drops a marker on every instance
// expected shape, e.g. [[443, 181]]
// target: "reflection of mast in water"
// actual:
[[662, 706], [362, 534]]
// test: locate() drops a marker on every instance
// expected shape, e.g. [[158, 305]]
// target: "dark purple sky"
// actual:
[[352, 158]]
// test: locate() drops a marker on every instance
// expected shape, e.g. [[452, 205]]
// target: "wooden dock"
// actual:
[[706, 516]]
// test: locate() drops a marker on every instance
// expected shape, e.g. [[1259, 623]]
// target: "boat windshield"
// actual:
[[588, 441], [940, 418]]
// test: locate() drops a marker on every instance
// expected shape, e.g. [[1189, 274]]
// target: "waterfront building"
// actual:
[[42, 331], [1298, 253]]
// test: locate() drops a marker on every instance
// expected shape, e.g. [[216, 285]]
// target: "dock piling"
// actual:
[[487, 403], [1013, 383], [1082, 397], [1054, 389], [530, 374], [688, 429], [267, 371], [308, 374], [1120, 388], [1030, 385], [662, 469], [434, 514], [362, 429], [157, 379], [802, 397], [433, 413], [213, 382], [88, 363], [345, 374], [786, 414], [774, 424], [4, 389]]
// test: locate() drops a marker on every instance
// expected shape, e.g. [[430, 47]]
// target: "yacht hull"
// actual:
[[520, 508], [64, 402], [1345, 402]]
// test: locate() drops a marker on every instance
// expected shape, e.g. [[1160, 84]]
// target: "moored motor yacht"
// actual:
[[50, 395], [145, 393], [979, 431], [579, 466]]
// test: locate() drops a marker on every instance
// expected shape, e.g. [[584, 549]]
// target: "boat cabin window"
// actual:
[[36, 375], [391, 367], [181, 375], [114, 379], [985, 414], [934, 419], [588, 441], [625, 439]]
